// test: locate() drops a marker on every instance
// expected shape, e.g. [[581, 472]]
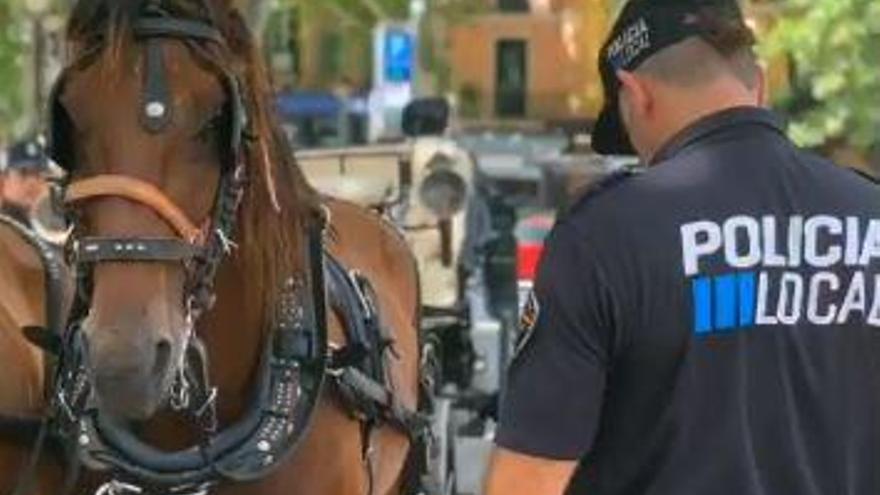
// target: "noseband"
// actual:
[[139, 192], [94, 250]]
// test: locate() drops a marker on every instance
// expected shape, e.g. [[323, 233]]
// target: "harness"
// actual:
[[36, 430], [358, 368], [295, 359], [54, 270]]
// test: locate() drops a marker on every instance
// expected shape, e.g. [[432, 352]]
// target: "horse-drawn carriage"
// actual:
[[229, 330]]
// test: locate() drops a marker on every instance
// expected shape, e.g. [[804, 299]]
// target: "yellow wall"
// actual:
[[591, 19], [564, 38]]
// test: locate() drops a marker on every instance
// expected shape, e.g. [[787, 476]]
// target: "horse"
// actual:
[[23, 301], [205, 352]]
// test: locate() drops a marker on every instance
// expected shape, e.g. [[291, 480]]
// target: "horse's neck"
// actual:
[[234, 335]]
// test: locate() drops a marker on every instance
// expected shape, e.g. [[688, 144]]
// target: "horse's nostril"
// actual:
[[163, 358]]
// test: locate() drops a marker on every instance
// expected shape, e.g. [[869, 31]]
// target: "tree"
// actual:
[[13, 61], [833, 46], [365, 13]]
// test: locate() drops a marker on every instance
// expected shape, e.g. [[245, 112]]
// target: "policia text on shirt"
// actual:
[[762, 286]]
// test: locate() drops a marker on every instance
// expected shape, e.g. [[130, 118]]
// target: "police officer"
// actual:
[[22, 179], [710, 326]]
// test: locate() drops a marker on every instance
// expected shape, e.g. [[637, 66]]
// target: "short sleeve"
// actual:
[[553, 398]]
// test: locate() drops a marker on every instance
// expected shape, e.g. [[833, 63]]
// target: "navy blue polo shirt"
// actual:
[[710, 326]]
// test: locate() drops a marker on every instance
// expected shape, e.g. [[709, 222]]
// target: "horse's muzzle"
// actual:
[[131, 373]]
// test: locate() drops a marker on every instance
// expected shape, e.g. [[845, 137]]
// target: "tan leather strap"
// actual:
[[140, 192]]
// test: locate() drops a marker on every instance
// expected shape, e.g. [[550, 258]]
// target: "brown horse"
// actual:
[[22, 394], [136, 326]]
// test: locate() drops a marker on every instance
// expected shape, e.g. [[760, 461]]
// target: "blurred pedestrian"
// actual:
[[23, 179], [711, 325]]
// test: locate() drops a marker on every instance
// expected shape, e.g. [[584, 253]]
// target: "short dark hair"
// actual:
[[726, 34], [724, 44]]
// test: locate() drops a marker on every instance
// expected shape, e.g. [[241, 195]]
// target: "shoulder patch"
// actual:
[[527, 323], [606, 183]]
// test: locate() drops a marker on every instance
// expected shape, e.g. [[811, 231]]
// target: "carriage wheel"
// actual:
[[440, 477]]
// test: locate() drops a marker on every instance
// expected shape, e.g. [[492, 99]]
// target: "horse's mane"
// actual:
[[278, 204]]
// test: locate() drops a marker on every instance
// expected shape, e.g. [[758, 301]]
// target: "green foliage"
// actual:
[[13, 62], [457, 11], [835, 49], [360, 10]]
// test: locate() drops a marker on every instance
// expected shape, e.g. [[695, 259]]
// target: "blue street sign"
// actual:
[[399, 56]]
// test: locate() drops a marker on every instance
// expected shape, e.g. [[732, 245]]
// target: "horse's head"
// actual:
[[145, 123]]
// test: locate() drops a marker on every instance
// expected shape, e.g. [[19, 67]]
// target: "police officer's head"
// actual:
[[22, 174], [669, 62]]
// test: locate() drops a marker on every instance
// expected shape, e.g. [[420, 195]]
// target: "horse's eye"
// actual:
[[211, 126]]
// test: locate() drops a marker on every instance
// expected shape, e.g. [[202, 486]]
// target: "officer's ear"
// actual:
[[639, 100], [635, 91]]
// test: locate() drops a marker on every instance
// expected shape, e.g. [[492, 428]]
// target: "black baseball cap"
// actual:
[[28, 155], [643, 28]]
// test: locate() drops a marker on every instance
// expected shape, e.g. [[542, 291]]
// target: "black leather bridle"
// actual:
[[201, 247]]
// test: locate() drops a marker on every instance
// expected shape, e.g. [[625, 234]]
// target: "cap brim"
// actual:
[[26, 166], [609, 134]]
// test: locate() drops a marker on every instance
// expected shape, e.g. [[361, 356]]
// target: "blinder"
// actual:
[[60, 146]]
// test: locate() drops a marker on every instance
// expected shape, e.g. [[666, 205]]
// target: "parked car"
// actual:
[[316, 119]]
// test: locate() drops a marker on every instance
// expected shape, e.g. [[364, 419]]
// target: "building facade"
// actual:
[[529, 59], [536, 59]]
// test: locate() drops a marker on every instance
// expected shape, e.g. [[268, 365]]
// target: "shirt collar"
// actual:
[[720, 121]]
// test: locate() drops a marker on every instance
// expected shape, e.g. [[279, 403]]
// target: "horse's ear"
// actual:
[[239, 35], [254, 13], [257, 15]]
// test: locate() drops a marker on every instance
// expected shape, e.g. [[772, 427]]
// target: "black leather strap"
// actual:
[[167, 27], [156, 106], [55, 274], [378, 403], [105, 249]]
